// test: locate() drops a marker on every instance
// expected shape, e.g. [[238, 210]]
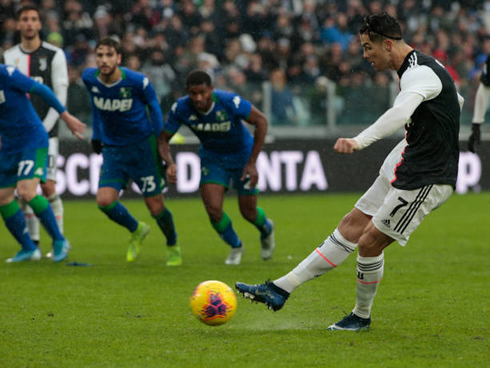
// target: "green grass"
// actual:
[[431, 309]]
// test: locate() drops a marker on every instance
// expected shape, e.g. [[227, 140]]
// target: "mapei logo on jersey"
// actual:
[[212, 127], [108, 104], [125, 92], [95, 89]]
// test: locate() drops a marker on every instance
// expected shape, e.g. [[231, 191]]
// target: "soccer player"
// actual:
[[47, 65], [416, 178], [23, 160], [481, 106], [228, 152], [126, 123]]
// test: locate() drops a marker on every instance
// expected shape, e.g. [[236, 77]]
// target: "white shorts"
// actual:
[[53, 151], [397, 213], [481, 104]]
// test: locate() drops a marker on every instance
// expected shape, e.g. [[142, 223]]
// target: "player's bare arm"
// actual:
[[164, 150], [258, 119], [75, 125]]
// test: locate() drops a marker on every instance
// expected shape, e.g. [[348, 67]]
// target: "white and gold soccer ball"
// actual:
[[213, 302]]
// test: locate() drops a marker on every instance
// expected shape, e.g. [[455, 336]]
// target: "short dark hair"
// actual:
[[381, 25], [109, 42], [197, 77], [25, 8]]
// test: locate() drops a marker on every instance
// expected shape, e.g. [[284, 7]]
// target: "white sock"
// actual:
[[57, 206], [369, 274], [331, 253], [31, 220]]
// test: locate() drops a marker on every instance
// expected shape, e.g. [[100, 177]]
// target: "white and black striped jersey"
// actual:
[[430, 153], [47, 65]]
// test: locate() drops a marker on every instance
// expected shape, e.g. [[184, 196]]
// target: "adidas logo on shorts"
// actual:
[[386, 223]]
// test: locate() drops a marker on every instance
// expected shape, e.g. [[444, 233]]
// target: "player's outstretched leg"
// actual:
[[271, 295], [327, 256], [137, 238], [15, 221], [331, 253], [166, 224]]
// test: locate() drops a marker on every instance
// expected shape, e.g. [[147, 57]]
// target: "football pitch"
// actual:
[[431, 309]]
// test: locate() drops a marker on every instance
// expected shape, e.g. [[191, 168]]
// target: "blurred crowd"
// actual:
[[295, 45]]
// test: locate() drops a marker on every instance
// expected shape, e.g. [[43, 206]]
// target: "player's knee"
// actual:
[[372, 242], [155, 211], [356, 218], [353, 225], [106, 196], [155, 207], [6, 197], [369, 249], [215, 213], [26, 194], [103, 201], [249, 214]]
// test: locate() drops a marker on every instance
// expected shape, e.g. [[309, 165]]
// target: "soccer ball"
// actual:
[[213, 303]]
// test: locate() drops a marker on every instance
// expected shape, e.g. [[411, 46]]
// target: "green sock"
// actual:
[[226, 232], [262, 224], [166, 223]]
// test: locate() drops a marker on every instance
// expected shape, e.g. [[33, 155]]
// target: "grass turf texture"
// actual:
[[431, 309]]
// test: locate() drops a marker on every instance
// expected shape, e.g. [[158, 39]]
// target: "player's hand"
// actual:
[[75, 125], [96, 146], [475, 138], [345, 145], [250, 172], [172, 173]]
